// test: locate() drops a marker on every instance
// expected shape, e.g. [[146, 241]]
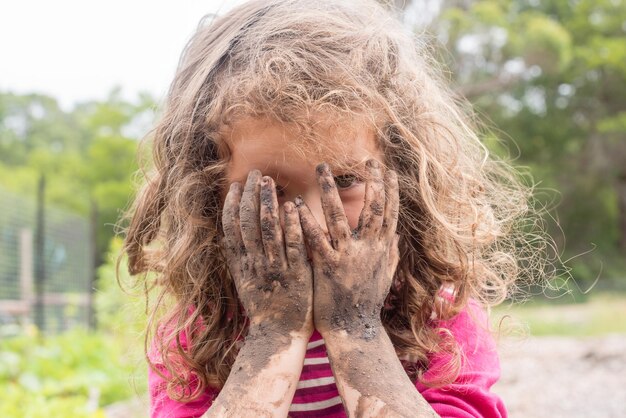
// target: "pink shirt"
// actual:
[[317, 396]]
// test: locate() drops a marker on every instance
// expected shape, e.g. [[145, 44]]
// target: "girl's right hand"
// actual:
[[270, 269]]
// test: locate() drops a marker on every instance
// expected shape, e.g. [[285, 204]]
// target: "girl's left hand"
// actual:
[[352, 273]]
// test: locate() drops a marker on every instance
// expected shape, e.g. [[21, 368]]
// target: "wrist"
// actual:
[[361, 328], [349, 317], [264, 342], [261, 331]]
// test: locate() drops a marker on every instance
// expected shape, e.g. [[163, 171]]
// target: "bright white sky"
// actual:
[[77, 50]]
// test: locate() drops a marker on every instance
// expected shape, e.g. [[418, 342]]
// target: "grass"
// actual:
[[601, 314]]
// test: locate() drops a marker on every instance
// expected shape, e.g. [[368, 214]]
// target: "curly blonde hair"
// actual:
[[462, 210]]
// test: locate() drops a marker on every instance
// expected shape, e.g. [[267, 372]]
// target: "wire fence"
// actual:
[[46, 264]]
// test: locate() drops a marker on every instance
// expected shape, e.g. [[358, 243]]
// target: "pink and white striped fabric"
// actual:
[[317, 395]]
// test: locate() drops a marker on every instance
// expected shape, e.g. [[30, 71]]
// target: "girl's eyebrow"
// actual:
[[266, 172], [349, 164]]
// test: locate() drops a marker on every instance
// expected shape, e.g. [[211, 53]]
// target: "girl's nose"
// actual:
[[314, 203]]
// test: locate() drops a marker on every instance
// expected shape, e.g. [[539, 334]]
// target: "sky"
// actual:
[[78, 50]]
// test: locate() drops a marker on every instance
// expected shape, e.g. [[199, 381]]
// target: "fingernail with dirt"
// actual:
[[322, 169]]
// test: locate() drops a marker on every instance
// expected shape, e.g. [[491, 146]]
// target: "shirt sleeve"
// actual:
[[469, 395], [161, 405]]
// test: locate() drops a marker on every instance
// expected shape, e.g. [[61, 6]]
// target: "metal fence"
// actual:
[[46, 264]]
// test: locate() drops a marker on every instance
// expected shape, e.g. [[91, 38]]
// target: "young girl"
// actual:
[[325, 226]]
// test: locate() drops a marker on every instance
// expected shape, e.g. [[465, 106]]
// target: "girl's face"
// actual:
[[269, 147]]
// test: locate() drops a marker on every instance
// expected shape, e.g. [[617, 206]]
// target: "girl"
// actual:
[[324, 224]]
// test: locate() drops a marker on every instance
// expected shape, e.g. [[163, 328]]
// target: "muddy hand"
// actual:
[[353, 272], [269, 265]]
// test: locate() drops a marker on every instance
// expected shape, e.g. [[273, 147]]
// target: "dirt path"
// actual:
[[564, 377]]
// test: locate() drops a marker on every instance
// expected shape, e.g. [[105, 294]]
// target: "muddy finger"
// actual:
[[371, 219], [271, 232], [294, 240], [313, 234], [230, 221], [392, 205], [232, 243], [249, 214], [393, 257], [336, 220]]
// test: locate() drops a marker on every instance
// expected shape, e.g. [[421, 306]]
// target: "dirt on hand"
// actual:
[[274, 285], [352, 269]]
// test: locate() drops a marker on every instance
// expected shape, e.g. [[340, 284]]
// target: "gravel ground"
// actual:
[[564, 377], [551, 377]]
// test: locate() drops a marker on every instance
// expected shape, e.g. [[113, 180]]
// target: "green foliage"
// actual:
[[34, 121], [56, 376], [86, 154], [613, 124], [120, 307], [552, 76], [545, 43], [77, 373]]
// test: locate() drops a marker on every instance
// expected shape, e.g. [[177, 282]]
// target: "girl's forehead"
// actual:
[[339, 142]]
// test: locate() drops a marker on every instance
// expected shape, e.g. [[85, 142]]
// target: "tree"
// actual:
[[551, 75], [88, 154]]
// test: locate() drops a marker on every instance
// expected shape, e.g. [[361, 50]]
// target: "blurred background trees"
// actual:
[[550, 77], [87, 154]]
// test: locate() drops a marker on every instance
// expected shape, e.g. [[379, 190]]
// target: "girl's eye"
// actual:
[[346, 181]]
